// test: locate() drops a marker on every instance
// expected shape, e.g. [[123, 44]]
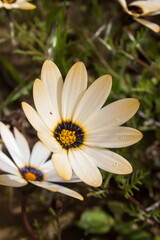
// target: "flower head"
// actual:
[[21, 4], [71, 122], [29, 168], [138, 9]]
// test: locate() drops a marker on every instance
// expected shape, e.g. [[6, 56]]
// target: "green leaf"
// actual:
[[96, 221]]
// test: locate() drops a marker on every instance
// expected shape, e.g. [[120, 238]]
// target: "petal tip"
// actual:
[[129, 169], [81, 197]]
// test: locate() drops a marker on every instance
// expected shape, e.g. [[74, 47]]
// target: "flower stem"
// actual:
[[25, 218], [58, 228]]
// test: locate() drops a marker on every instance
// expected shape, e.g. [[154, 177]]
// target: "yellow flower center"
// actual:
[[67, 137], [30, 176], [8, 1]]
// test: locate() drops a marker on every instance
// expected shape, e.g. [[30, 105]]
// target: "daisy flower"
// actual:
[[71, 123], [29, 168], [138, 9], [21, 4]]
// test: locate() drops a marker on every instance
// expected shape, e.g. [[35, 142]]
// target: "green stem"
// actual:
[[58, 228]]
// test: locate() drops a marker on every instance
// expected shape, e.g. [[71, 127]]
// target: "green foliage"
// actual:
[[96, 221], [38, 229], [128, 185]]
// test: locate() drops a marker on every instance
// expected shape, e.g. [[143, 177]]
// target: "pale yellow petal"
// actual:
[[44, 105], [109, 161], [84, 167], [24, 6], [114, 114], [115, 137], [153, 26], [61, 164], [57, 188], [52, 79], [33, 117], [74, 87], [49, 141], [93, 99]]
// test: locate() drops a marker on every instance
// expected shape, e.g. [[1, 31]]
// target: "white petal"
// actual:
[[11, 145], [62, 165], [57, 188], [84, 167], [43, 104], [12, 181], [93, 99], [52, 80], [109, 161], [114, 114], [123, 3], [49, 141], [153, 26], [33, 117], [68, 192], [24, 6], [7, 165], [113, 137], [39, 154], [7, 6], [22, 145], [155, 13], [147, 6], [52, 176], [74, 87]]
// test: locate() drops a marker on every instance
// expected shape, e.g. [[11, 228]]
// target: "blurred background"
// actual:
[[108, 41]]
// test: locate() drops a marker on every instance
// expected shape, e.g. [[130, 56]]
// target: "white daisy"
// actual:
[[21, 4], [138, 9], [29, 168], [71, 123]]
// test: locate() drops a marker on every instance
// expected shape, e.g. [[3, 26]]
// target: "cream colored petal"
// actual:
[[24, 6], [11, 145], [33, 117], [153, 26], [57, 188], [44, 105], [39, 154], [114, 114], [22, 145], [147, 6], [109, 161], [1, 5], [52, 79], [113, 137], [62, 165], [7, 164], [12, 181], [93, 99], [74, 87], [49, 141], [84, 167]]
